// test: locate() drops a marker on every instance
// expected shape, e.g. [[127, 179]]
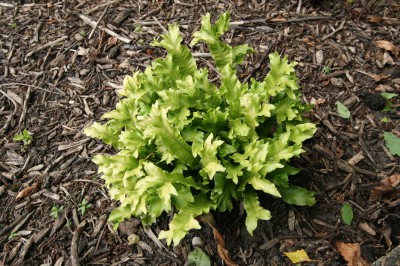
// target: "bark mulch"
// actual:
[[62, 62]]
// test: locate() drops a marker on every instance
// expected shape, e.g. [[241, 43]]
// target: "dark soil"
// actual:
[[57, 77]]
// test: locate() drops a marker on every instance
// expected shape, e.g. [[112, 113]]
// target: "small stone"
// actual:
[[78, 37], [337, 82], [197, 241], [319, 57], [352, 49], [84, 72], [133, 239], [114, 52]]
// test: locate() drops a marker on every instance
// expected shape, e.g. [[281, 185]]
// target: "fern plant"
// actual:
[[190, 146]]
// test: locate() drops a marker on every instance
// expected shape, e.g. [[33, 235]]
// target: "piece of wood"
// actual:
[[97, 23], [47, 45], [92, 23], [121, 17], [75, 243]]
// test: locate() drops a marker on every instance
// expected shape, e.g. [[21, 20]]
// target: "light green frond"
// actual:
[[179, 227], [132, 140], [181, 55], [253, 210], [265, 186], [223, 53], [301, 132], [224, 192], [297, 195], [106, 133], [280, 177], [281, 76], [185, 220], [233, 90], [168, 137], [166, 191], [208, 156]]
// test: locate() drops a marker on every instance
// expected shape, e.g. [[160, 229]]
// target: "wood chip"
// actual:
[[26, 191], [388, 46], [367, 228], [270, 244]]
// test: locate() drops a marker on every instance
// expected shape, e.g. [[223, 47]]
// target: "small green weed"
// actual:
[[12, 235], [25, 137], [138, 29], [392, 142], [347, 213], [83, 206], [388, 100], [326, 70], [56, 210]]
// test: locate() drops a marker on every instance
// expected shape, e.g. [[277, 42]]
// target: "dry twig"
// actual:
[[49, 44], [92, 23], [74, 244], [97, 23]]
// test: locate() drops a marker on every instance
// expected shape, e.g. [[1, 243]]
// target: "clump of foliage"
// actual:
[[188, 145], [56, 210], [25, 136], [83, 206]]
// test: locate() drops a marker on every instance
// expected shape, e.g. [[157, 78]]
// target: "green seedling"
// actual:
[[25, 137], [56, 210], [388, 100], [326, 70], [184, 143], [392, 143], [138, 29], [83, 206], [347, 213], [197, 257], [12, 235], [342, 110], [385, 120]]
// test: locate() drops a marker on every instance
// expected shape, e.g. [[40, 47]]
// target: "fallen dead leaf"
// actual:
[[218, 237], [224, 255], [387, 186], [278, 20], [339, 197], [388, 46], [222, 251], [240, 3], [372, 75], [375, 19], [390, 181], [351, 252], [112, 41], [26, 191], [297, 256], [387, 59], [321, 100], [382, 87], [367, 228], [308, 41], [357, 11], [326, 82], [83, 51], [339, 152], [387, 231]]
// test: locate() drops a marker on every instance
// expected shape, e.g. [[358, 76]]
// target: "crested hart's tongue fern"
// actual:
[[186, 143]]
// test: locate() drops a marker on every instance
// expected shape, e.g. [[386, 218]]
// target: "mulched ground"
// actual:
[[58, 74]]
